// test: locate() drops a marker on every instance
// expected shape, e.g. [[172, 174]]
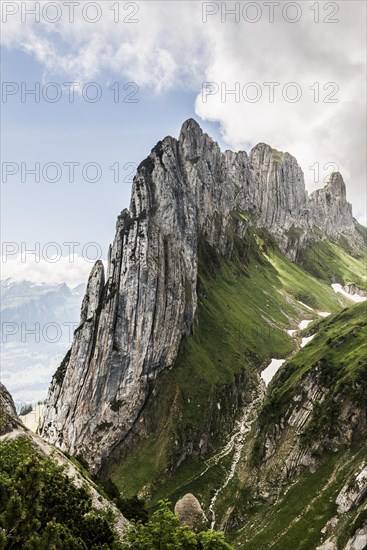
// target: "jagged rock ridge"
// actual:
[[132, 324]]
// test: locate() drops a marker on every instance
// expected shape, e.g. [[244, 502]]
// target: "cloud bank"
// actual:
[[72, 270], [267, 53]]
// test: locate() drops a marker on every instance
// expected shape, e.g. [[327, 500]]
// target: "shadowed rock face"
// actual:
[[9, 419], [330, 210], [132, 324]]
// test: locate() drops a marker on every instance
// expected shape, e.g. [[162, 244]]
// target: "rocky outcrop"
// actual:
[[354, 290], [330, 210], [353, 492], [132, 325], [349, 499], [289, 436], [9, 419], [359, 540], [190, 512]]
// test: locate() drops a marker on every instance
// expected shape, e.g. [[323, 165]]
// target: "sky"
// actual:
[[113, 78]]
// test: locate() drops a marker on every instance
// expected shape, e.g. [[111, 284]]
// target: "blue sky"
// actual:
[[104, 132], [169, 54]]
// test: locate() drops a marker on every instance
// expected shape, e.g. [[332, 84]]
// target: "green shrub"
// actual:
[[133, 508], [163, 531], [41, 508], [26, 409]]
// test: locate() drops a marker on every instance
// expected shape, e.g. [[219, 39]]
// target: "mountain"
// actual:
[[215, 267], [37, 325], [29, 302]]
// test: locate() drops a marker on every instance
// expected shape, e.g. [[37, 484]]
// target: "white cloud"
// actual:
[[72, 270], [305, 53], [153, 52], [171, 47]]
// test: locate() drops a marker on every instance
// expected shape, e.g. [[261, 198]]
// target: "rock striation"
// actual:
[[330, 210], [133, 322]]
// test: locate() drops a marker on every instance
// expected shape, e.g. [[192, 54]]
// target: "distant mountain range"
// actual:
[[37, 324]]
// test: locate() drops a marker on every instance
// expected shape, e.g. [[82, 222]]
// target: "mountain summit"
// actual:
[[187, 194], [193, 372]]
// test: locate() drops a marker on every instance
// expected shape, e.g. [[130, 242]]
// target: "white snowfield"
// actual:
[[305, 323], [306, 340], [270, 371], [354, 297]]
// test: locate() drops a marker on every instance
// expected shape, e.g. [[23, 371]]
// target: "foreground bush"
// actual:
[[163, 532], [42, 509]]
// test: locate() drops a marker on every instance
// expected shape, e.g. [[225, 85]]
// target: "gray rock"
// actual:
[[189, 511], [353, 493], [330, 210], [9, 419], [359, 540]]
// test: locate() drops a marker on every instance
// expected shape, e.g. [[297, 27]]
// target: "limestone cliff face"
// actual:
[[286, 438], [330, 210], [132, 324]]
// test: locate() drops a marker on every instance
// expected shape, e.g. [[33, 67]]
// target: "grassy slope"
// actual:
[[296, 519], [340, 351], [245, 306], [333, 262]]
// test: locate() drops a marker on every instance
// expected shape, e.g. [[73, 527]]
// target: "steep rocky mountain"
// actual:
[[37, 325], [9, 419], [214, 267]]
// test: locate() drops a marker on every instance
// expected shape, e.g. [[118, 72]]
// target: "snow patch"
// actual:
[[354, 297], [323, 313], [305, 323], [270, 371], [305, 305], [306, 340]]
